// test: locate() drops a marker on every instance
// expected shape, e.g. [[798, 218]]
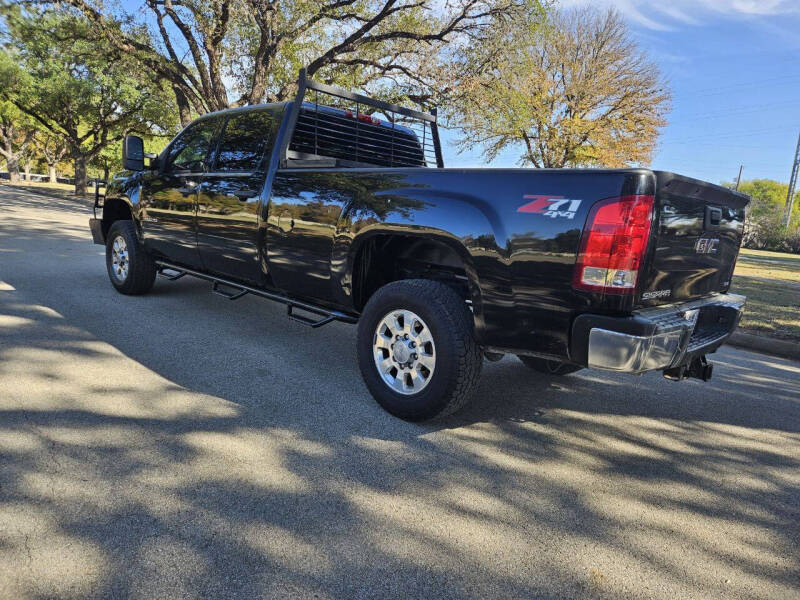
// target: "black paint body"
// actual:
[[299, 231]]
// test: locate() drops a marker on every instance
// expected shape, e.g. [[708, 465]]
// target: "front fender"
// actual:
[[122, 198]]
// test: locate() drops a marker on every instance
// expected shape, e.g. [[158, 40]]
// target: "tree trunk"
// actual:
[[105, 172], [184, 110], [51, 173], [80, 175], [13, 169], [28, 171]]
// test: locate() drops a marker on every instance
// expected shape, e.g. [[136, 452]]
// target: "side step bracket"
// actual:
[[175, 272], [326, 317], [234, 296]]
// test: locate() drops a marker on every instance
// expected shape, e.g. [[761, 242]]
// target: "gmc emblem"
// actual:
[[706, 245]]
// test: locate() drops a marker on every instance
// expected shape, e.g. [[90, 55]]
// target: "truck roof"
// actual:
[[246, 108]]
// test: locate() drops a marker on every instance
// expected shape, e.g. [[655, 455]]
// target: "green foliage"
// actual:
[[17, 133], [764, 229], [572, 90], [109, 159], [222, 53], [55, 72]]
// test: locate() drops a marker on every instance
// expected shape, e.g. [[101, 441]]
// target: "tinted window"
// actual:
[[245, 142], [190, 149]]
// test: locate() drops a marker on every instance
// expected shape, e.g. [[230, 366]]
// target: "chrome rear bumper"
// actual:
[[655, 338]]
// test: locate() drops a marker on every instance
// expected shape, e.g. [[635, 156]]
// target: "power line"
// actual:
[[739, 110], [728, 135], [738, 146], [734, 87]]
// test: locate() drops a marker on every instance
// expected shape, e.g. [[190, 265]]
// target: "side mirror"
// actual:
[[133, 153]]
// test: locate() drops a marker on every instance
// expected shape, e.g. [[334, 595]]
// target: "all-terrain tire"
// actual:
[[458, 357], [550, 367], [130, 268]]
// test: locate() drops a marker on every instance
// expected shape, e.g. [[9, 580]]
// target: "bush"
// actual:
[[764, 229], [767, 232], [793, 243]]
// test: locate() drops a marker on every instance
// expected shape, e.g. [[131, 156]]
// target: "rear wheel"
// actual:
[[551, 367], [130, 268], [417, 350]]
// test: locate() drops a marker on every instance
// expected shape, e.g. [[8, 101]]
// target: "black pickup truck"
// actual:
[[342, 210]]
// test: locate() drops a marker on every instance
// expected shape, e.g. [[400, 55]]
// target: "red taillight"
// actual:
[[613, 245]]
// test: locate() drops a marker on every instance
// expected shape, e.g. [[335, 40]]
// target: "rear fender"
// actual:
[[475, 235]]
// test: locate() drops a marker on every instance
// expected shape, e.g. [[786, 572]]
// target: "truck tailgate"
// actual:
[[696, 240]]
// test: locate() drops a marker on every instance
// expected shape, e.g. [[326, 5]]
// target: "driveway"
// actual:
[[178, 445]]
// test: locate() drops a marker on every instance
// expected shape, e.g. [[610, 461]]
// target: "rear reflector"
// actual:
[[613, 245]]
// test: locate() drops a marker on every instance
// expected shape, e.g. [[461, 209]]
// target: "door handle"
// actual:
[[713, 218]]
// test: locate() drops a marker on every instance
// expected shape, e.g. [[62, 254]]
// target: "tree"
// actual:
[[53, 150], [574, 90], [67, 83], [109, 160], [764, 227], [16, 137], [214, 54]]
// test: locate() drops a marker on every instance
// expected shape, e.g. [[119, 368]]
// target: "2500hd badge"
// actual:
[[656, 294]]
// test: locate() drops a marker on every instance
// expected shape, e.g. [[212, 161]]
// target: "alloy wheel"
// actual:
[[404, 351], [119, 259]]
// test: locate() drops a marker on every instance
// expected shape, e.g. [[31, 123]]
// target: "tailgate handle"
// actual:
[[713, 217]]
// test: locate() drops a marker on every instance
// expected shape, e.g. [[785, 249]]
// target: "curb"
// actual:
[[765, 345]]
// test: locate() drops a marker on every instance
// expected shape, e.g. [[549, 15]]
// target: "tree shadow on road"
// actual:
[[178, 446]]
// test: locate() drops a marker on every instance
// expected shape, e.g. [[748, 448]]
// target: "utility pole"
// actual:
[[792, 183], [739, 178]]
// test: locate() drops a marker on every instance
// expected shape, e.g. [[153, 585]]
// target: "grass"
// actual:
[[62, 190], [771, 282], [45, 185]]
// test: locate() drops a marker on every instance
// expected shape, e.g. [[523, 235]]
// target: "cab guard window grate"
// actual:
[[327, 122]]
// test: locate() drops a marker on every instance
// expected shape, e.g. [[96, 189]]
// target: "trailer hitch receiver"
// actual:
[[698, 368]]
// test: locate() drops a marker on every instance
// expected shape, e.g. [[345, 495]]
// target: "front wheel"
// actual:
[[130, 268], [417, 350]]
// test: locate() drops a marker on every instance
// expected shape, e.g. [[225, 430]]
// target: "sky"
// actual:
[[734, 70]]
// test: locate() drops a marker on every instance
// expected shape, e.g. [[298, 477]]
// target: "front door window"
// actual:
[[190, 150]]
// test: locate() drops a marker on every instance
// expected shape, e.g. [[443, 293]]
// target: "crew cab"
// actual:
[[343, 210]]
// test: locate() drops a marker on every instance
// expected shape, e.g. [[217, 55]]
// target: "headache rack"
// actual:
[[353, 130]]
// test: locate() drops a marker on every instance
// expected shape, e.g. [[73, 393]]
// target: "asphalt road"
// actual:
[[179, 445]]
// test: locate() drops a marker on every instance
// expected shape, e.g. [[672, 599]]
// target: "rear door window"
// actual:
[[246, 142]]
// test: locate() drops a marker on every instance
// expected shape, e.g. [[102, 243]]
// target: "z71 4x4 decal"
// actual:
[[550, 206]]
